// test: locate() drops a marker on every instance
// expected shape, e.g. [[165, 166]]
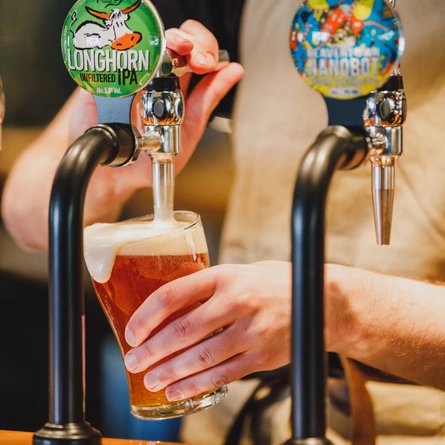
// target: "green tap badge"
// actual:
[[113, 48]]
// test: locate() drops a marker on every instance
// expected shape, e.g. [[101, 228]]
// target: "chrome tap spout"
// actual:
[[383, 117]]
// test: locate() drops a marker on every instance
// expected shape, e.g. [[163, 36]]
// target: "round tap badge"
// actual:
[[348, 48], [112, 48]]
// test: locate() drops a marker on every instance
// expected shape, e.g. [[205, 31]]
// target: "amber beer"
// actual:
[[140, 267]]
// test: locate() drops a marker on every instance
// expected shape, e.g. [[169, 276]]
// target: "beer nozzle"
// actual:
[[162, 113], [383, 117]]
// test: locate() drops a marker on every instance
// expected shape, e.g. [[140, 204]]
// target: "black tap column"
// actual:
[[112, 145]]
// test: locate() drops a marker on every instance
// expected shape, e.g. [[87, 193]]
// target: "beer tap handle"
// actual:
[[173, 63], [162, 104], [347, 56], [162, 108], [383, 117]]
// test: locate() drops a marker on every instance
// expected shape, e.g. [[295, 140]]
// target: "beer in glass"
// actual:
[[129, 260]]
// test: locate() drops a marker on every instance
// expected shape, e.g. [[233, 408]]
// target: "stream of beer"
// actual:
[[163, 181]]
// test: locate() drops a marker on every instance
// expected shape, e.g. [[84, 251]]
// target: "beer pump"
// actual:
[[349, 52], [112, 52]]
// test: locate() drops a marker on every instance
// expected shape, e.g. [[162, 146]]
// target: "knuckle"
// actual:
[[194, 388], [212, 381], [182, 329], [137, 323], [260, 361], [148, 351], [240, 303], [168, 375], [218, 379], [226, 270], [165, 295], [205, 358]]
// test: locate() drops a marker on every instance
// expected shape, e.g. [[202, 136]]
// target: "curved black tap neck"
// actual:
[[101, 145], [335, 148]]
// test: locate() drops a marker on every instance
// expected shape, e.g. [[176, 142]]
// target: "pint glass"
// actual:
[[127, 261]]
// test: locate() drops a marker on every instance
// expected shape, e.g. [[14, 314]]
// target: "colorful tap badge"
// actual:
[[113, 48], [346, 48]]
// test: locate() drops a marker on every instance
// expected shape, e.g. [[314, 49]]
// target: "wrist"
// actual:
[[348, 318]]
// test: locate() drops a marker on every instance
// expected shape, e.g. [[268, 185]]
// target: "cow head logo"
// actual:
[[114, 31]]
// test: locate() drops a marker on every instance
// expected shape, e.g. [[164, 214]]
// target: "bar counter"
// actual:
[[25, 438]]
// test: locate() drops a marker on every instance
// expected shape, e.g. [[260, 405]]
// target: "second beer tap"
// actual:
[[383, 117]]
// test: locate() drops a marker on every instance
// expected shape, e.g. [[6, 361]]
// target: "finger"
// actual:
[[204, 56], [181, 293], [211, 379], [182, 44], [207, 354], [198, 355], [178, 41], [208, 380], [181, 333], [200, 370], [200, 58]]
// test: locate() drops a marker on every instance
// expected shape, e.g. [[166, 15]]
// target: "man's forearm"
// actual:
[[391, 323]]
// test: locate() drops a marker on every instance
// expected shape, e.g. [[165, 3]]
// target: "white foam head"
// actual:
[[104, 241]]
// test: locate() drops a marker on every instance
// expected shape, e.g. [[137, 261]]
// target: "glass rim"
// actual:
[[190, 219], [196, 218]]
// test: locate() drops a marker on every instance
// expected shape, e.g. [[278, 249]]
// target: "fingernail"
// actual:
[[151, 381], [174, 395], [201, 59], [131, 362], [180, 39], [210, 59], [129, 337]]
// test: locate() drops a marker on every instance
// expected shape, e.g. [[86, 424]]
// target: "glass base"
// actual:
[[179, 409]]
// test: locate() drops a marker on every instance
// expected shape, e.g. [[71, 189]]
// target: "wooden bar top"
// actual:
[[25, 438]]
